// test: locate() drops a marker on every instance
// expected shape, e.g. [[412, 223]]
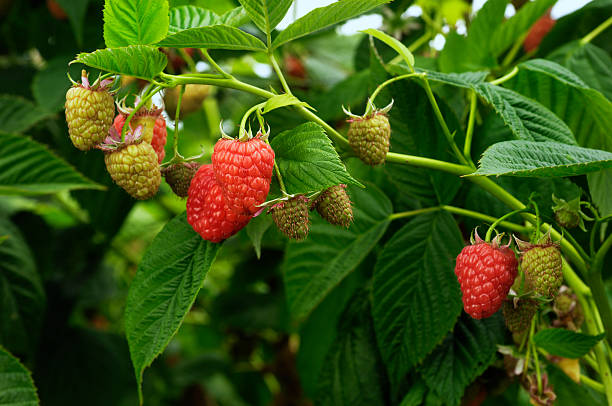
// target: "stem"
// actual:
[[467, 147], [176, 120], [331, 131], [393, 79], [499, 220], [279, 73], [440, 118], [145, 98], [604, 370], [593, 384], [214, 64], [578, 247], [506, 77], [188, 59], [429, 163], [246, 117], [601, 300], [598, 30], [592, 238], [412, 213], [536, 361], [280, 178], [514, 50], [598, 260], [481, 216]]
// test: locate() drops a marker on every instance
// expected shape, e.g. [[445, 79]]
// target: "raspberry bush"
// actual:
[[237, 205]]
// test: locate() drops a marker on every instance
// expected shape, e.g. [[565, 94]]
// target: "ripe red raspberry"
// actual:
[[538, 31], [291, 217], [334, 205], [89, 112], [207, 211], [244, 172], [369, 135], [132, 164], [485, 272], [179, 176], [542, 264], [158, 139]]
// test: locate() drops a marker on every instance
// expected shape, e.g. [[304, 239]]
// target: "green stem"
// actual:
[[592, 238], [145, 98], [600, 255], [513, 51], [214, 64], [578, 247], [598, 30], [411, 213], [279, 73], [604, 371], [506, 77], [467, 147], [601, 300], [389, 81], [591, 383], [245, 117], [499, 220], [176, 121], [331, 131], [536, 361], [438, 114], [188, 59], [429, 163], [484, 217]]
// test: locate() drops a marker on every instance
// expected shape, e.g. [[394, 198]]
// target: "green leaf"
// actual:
[[16, 385], [282, 100], [518, 25], [22, 298], [541, 159], [570, 393], [214, 37], [266, 14], [75, 10], [324, 17], [166, 284], [141, 61], [18, 114], [400, 48], [307, 160], [27, 167], [465, 354], [415, 294], [566, 343], [50, 85], [313, 268], [594, 66], [186, 17], [353, 373], [134, 22], [600, 184], [256, 229], [527, 119]]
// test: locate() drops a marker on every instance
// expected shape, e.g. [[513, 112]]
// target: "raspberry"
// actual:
[[542, 264], [568, 310], [244, 172], [132, 164], [207, 211], [369, 137], [89, 113], [291, 217], [191, 102], [179, 176], [334, 205], [158, 137], [518, 317], [568, 214], [538, 31], [485, 272]]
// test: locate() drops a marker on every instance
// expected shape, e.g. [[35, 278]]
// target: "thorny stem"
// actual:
[[279, 73], [467, 147], [506, 77], [442, 122], [598, 30]]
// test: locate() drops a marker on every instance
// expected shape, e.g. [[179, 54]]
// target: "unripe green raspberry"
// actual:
[[291, 217], [179, 176], [567, 218], [90, 111], [542, 265], [134, 168], [334, 205], [369, 137], [518, 318]]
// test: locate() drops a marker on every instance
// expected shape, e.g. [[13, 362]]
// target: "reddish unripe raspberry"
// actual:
[[334, 205], [89, 113], [518, 317], [179, 176], [158, 136], [291, 217], [369, 137], [537, 32], [485, 272], [207, 211], [244, 172]]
